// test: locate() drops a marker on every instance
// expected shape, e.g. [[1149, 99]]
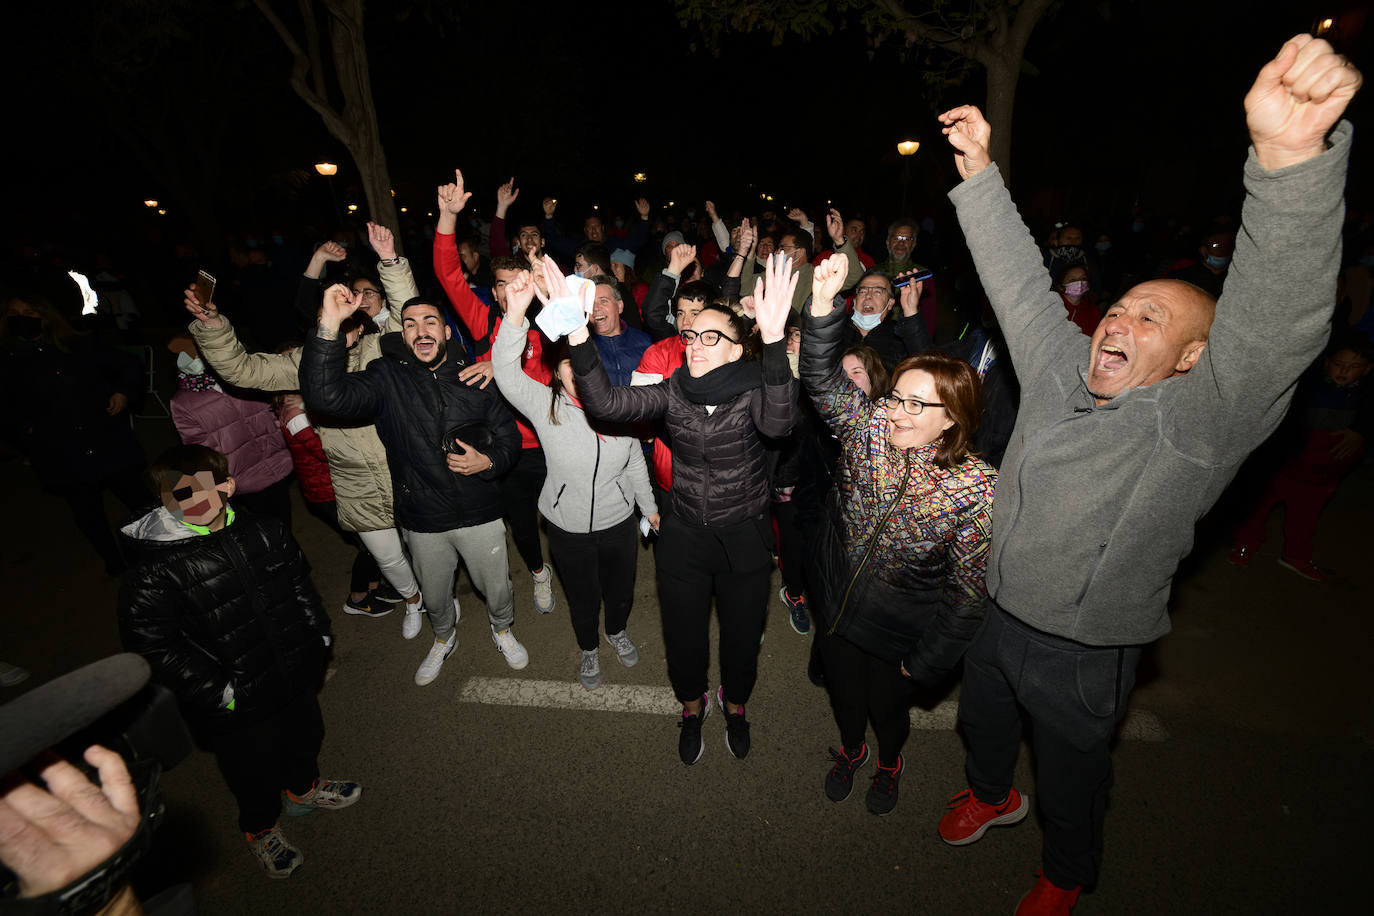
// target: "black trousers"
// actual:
[[863, 688], [1074, 695], [365, 570], [732, 563], [791, 549], [596, 567], [520, 490], [87, 502], [258, 761]]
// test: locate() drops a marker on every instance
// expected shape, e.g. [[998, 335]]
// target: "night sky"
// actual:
[[1122, 102]]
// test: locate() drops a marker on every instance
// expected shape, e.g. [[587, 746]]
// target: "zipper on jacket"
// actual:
[[591, 510], [872, 542], [559, 496], [240, 563]]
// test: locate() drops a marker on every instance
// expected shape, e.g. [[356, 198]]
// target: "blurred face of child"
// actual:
[[195, 498], [1346, 367]]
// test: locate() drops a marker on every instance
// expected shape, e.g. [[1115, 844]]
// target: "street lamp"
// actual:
[[150, 204], [327, 169], [640, 177], [906, 149]]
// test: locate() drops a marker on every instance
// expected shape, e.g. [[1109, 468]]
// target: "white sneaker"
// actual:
[[589, 669], [410, 626], [543, 590], [625, 650], [438, 653], [510, 647]]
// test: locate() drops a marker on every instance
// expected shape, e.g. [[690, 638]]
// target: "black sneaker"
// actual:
[[386, 592], [839, 782], [736, 728], [882, 795], [689, 745], [369, 606]]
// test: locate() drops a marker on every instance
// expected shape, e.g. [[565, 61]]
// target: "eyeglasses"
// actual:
[[913, 406], [368, 293], [870, 291], [902, 238], [708, 338]]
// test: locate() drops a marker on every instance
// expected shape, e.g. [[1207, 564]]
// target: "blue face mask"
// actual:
[[619, 223], [1103, 246], [1216, 262], [278, 240], [867, 322], [1367, 260], [1137, 227], [579, 274]]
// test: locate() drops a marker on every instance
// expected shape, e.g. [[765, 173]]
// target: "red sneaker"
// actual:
[[1305, 568], [968, 818], [1047, 899]]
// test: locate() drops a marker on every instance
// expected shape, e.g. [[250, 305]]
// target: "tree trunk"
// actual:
[[1002, 76]]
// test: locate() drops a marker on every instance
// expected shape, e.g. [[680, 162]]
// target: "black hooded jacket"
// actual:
[[414, 408]]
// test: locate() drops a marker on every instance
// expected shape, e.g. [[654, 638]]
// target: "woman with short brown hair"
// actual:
[[899, 562]]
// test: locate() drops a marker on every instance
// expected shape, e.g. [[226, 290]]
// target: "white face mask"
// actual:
[[867, 322], [793, 363], [189, 365], [380, 318]]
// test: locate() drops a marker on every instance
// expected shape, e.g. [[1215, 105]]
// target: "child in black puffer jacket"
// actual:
[[222, 607]]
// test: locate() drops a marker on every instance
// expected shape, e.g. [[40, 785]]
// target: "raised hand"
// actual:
[[339, 302], [555, 286], [381, 240], [969, 133], [519, 295], [834, 225], [827, 282], [747, 236], [116, 404], [331, 251], [505, 196], [680, 257], [747, 304], [798, 216], [711, 212], [773, 300], [207, 313], [550, 205], [51, 837], [910, 298], [1296, 99], [642, 206], [452, 197]]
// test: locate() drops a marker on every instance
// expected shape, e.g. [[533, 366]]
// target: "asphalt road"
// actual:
[[1242, 775]]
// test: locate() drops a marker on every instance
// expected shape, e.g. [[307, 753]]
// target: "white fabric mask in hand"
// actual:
[[566, 314]]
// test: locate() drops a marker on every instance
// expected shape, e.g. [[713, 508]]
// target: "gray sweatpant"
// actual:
[[483, 549]]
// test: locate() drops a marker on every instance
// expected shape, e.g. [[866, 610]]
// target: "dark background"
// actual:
[[1122, 104]]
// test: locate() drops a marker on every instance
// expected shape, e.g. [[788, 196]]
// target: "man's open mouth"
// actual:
[[1110, 358]]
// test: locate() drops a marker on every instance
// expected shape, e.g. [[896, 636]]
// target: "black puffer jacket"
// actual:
[[413, 407], [720, 468], [234, 607]]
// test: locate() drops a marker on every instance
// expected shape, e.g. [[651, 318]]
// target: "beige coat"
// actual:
[[357, 458]]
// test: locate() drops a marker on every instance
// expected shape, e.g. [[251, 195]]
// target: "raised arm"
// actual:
[[1274, 314], [397, 280], [525, 394], [775, 412], [842, 404], [473, 312], [326, 385], [223, 350], [1009, 262], [308, 291]]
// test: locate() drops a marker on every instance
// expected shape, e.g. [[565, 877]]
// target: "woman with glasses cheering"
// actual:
[[898, 565], [717, 541]]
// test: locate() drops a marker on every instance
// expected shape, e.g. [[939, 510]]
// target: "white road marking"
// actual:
[[659, 701]]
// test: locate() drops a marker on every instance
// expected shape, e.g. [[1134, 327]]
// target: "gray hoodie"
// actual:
[[594, 480], [1095, 506]]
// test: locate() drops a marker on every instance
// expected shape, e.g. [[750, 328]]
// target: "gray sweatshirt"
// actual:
[[593, 480], [1095, 506]]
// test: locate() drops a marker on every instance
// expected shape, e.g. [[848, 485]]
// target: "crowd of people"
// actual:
[[1011, 504]]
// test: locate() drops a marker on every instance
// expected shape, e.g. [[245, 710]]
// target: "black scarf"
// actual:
[[722, 384]]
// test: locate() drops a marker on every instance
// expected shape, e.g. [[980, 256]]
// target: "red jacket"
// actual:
[[307, 453], [663, 359], [1084, 314], [484, 321]]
